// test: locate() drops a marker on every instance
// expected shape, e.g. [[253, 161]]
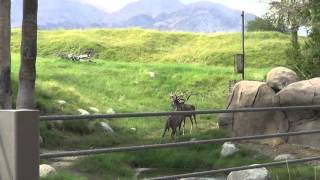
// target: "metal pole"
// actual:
[[170, 145], [243, 55], [227, 170], [153, 114]]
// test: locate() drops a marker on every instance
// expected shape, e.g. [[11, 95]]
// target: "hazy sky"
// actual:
[[253, 6]]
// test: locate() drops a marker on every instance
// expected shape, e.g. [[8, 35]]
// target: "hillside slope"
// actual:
[[263, 49]]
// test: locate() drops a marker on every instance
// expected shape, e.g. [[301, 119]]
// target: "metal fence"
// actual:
[[20, 117]]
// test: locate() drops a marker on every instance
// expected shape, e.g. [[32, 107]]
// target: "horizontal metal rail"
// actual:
[[227, 170], [152, 114], [170, 145]]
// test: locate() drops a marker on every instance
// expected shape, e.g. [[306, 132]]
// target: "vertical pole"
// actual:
[[19, 145], [243, 55]]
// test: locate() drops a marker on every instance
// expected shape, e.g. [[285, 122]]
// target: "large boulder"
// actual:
[[284, 157], [228, 149], [46, 171], [280, 77], [297, 94], [250, 174], [253, 94]]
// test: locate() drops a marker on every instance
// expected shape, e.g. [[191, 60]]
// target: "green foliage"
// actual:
[[261, 24], [295, 172], [64, 176], [114, 166], [150, 46], [307, 58]]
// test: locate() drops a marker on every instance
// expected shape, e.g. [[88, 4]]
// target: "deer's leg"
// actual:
[[195, 120], [190, 117], [166, 128], [184, 125], [173, 134]]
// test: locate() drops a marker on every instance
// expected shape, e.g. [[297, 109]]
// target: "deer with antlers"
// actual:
[[178, 102]]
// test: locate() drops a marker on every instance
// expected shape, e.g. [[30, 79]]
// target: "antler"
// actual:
[[186, 95]]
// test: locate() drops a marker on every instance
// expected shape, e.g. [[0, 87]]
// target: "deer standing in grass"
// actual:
[[178, 102], [173, 122]]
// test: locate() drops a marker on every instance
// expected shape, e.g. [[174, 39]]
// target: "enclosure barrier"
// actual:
[[227, 170], [170, 145], [178, 144], [152, 114], [19, 140]]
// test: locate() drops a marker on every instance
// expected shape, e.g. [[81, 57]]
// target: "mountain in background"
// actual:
[[147, 7], [67, 14], [167, 15], [196, 17]]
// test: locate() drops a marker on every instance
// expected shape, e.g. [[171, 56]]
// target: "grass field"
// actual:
[[263, 49], [120, 80]]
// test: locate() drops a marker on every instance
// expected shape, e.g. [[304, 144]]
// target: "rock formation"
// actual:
[[281, 89]]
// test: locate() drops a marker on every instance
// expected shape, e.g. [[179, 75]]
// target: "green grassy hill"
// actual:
[[263, 49]]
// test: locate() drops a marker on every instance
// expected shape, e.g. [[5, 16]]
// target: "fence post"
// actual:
[[19, 145]]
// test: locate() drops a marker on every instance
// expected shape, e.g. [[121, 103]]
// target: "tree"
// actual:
[[261, 24], [264, 24], [5, 56], [27, 74], [310, 66], [291, 13]]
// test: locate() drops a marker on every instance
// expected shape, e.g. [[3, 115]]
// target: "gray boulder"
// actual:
[[106, 127], [46, 171], [253, 94], [297, 94], [40, 140], [228, 149], [280, 77], [250, 174], [284, 157], [201, 178]]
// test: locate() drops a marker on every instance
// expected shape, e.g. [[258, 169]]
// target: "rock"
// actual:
[[111, 111], [152, 74], [83, 112], [306, 140], [253, 94], [61, 102], [228, 149], [133, 129], [106, 127], [46, 171], [138, 171], [201, 178], [301, 93], [280, 77], [94, 109], [40, 140], [298, 94], [284, 157], [250, 174]]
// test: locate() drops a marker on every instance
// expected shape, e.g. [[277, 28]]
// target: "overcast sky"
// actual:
[[256, 7]]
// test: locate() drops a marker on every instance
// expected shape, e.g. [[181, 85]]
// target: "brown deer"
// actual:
[[178, 102], [173, 122]]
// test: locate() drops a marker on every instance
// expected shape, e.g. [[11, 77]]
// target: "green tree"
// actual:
[[5, 56], [261, 24], [290, 13], [310, 66]]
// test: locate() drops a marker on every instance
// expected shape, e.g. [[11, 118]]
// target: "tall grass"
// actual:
[[263, 49]]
